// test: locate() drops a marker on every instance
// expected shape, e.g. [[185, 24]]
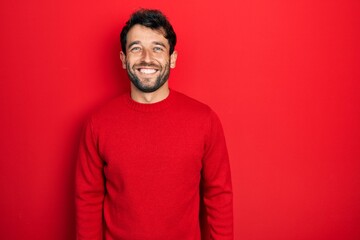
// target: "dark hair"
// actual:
[[150, 18]]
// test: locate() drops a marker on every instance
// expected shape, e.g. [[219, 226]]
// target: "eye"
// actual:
[[135, 49], [158, 49]]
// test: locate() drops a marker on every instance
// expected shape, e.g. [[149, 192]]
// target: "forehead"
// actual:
[[146, 35]]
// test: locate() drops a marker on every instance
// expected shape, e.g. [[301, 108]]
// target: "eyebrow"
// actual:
[[133, 43], [159, 43], [154, 42]]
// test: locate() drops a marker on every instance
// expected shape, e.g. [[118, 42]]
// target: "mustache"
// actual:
[[147, 64]]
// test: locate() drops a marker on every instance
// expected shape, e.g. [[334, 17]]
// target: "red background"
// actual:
[[282, 75]]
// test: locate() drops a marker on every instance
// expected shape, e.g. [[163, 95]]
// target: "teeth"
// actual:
[[147, 70]]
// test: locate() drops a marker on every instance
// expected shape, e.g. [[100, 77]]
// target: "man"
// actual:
[[148, 158]]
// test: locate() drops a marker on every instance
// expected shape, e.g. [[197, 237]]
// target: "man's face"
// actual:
[[147, 58]]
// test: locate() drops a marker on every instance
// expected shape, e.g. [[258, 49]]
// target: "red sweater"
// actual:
[[139, 170]]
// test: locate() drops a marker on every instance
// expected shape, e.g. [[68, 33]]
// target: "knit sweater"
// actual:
[[143, 169]]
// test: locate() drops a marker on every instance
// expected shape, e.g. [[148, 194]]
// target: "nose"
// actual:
[[146, 55]]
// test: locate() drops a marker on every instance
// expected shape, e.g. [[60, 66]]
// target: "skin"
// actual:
[[148, 62]]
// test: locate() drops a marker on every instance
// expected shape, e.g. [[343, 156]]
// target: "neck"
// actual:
[[152, 97]]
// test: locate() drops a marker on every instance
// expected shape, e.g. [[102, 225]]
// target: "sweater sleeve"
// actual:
[[89, 194], [216, 183]]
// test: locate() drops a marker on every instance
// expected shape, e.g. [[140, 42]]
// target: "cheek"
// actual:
[[132, 58], [163, 59], [130, 62]]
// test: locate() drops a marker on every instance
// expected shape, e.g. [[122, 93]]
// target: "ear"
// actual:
[[123, 59], [173, 58]]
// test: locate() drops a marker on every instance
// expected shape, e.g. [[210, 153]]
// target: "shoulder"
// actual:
[[195, 111], [109, 111], [184, 102]]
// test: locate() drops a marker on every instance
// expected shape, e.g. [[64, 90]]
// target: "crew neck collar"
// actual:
[[150, 107]]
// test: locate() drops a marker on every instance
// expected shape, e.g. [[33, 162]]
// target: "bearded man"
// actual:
[[150, 157]]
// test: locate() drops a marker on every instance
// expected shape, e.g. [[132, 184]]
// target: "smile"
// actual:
[[147, 70]]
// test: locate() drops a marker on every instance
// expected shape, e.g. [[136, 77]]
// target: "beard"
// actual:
[[146, 85]]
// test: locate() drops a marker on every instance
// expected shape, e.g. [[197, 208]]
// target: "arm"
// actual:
[[89, 188], [216, 183]]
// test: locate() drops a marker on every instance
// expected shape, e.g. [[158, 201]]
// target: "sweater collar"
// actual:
[[150, 107]]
